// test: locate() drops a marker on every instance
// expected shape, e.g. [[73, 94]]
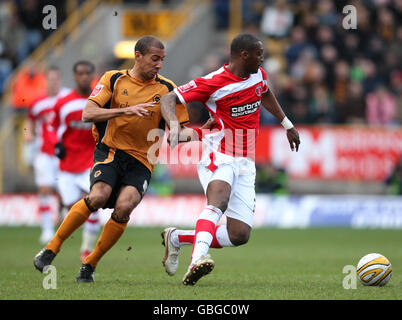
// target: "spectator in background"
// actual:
[[315, 73], [374, 49], [298, 69], [221, 10], [298, 43], [385, 24], [341, 82], [350, 48], [352, 110], [298, 104], [30, 15], [277, 20], [371, 78], [324, 35], [380, 107], [321, 106], [326, 13], [29, 84], [397, 9], [329, 56]]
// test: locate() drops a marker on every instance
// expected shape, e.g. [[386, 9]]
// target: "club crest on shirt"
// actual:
[[97, 90], [258, 91], [156, 98]]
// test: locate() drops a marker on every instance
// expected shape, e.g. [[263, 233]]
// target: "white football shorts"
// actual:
[[73, 186], [46, 169], [241, 177]]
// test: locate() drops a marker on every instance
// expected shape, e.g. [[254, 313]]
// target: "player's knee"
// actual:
[[223, 204], [97, 200], [218, 195], [99, 195], [239, 237], [220, 200], [123, 209]]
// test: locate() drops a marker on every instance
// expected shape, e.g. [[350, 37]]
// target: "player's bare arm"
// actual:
[[93, 113], [271, 104], [168, 109]]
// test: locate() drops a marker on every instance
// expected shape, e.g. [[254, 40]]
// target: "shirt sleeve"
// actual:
[[182, 114], [198, 89], [102, 92], [264, 81], [55, 121]]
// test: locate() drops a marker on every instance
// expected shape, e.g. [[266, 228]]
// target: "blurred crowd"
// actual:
[[321, 72], [21, 31]]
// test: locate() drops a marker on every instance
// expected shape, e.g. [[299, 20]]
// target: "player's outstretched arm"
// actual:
[[168, 109], [93, 113], [271, 104]]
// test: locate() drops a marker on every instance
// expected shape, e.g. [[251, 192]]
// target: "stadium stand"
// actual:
[[321, 73]]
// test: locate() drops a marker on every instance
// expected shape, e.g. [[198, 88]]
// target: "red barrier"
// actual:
[[331, 153]]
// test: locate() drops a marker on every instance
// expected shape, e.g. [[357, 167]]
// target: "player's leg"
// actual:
[[89, 234], [127, 200], [239, 217], [240, 211], [173, 239], [218, 191], [91, 226], [45, 212], [218, 194], [45, 169], [134, 181], [77, 215]]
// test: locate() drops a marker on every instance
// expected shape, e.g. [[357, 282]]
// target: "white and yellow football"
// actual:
[[374, 270]]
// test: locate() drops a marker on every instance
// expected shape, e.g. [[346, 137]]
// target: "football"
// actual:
[[374, 270]]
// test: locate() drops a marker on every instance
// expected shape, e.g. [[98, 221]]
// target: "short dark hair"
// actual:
[[84, 63], [144, 43], [241, 42]]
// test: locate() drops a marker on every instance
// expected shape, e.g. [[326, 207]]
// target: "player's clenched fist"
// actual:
[[138, 109]]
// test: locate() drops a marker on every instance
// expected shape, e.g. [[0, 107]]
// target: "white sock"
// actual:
[[46, 214], [90, 232], [222, 236], [205, 227], [179, 237]]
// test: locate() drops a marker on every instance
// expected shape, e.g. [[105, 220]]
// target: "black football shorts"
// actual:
[[117, 168]]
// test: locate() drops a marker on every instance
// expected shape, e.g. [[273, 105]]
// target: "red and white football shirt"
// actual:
[[42, 114], [73, 133], [235, 104]]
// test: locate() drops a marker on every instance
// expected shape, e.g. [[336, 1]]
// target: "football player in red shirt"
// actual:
[[233, 95], [75, 149], [45, 164]]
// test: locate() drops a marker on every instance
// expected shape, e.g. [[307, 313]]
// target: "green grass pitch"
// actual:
[[275, 264]]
